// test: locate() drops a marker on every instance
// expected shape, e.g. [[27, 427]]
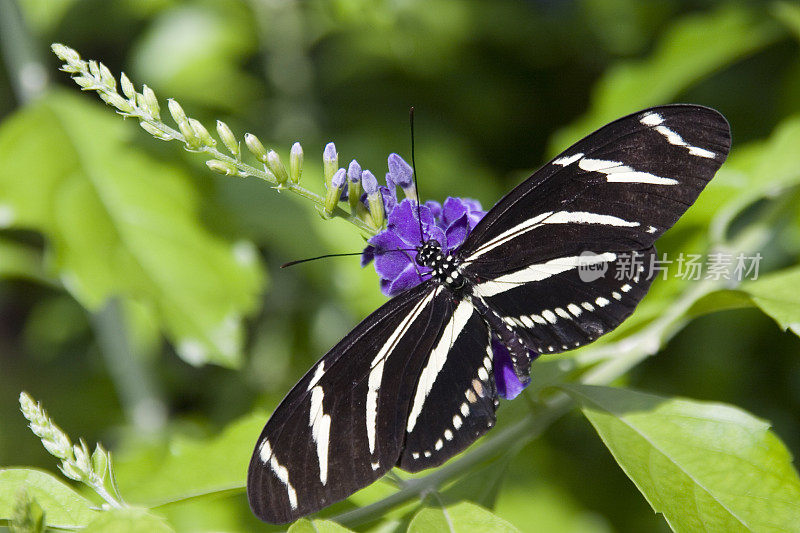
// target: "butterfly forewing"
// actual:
[[617, 189]]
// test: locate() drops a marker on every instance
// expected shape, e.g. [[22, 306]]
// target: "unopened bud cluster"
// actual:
[[92, 468], [365, 198], [365, 201]]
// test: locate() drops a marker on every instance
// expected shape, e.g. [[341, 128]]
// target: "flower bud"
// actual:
[[155, 132], [222, 167], [256, 148], [354, 185], [127, 87], [107, 78], [374, 198], [276, 166], [151, 102], [115, 100], [175, 109], [402, 174], [94, 69], [228, 138], [296, 163], [330, 162], [193, 141], [202, 133], [335, 191]]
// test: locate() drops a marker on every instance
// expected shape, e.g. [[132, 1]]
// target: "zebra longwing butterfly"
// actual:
[[412, 385]]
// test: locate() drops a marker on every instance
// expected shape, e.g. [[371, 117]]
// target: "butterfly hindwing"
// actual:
[[343, 425], [455, 398], [572, 307]]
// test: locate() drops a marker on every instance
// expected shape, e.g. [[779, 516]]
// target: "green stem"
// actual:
[[28, 74], [133, 382], [247, 170]]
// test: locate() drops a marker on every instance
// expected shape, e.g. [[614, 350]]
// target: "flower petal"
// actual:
[[403, 221], [435, 207], [453, 209], [508, 385], [408, 278], [457, 232]]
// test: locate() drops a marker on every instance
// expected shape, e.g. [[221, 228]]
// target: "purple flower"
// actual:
[[394, 249], [508, 385]]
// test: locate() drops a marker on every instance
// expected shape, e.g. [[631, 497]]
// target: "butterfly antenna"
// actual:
[[414, 173], [292, 263]]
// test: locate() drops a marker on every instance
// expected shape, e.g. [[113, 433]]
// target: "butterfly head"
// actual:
[[429, 253]]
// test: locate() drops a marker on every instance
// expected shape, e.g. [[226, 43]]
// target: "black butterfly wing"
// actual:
[[617, 189], [600, 205], [455, 397], [343, 425], [346, 423]]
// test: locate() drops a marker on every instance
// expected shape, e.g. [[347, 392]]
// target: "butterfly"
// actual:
[[413, 384]]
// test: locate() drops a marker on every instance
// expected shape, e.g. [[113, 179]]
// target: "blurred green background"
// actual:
[[499, 87]]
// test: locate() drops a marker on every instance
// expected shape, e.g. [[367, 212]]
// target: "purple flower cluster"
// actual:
[[394, 249]]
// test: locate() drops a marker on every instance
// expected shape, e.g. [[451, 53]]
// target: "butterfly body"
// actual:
[[417, 381]]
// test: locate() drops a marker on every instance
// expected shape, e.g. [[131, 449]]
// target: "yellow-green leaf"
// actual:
[[705, 466]]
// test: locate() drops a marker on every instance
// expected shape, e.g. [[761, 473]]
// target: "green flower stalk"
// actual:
[[144, 107], [94, 469]]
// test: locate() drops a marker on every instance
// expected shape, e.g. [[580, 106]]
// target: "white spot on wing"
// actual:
[[318, 372], [567, 160], [574, 309], [602, 302], [457, 422], [549, 316], [651, 119]]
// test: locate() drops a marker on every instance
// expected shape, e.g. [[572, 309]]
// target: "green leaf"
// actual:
[[462, 517], [21, 261], [195, 51], [695, 47], [130, 520], [317, 526], [63, 507], [187, 468], [777, 296], [789, 14], [120, 223], [705, 466]]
